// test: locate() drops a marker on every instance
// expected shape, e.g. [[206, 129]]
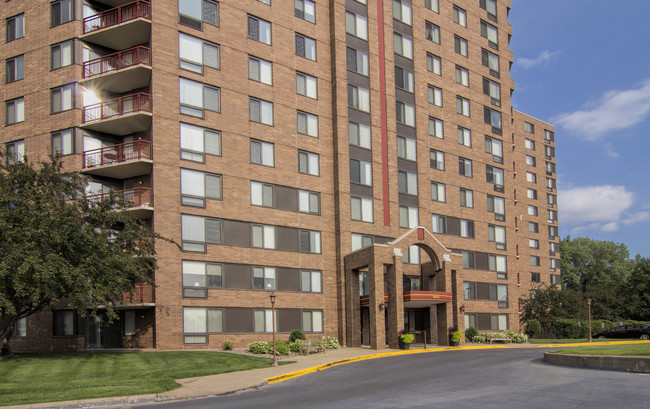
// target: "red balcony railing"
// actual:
[[136, 197], [117, 61], [144, 294], [118, 15], [123, 152], [116, 107]]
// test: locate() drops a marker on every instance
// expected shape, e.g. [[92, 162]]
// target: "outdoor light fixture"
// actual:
[[272, 296], [589, 308], [462, 308]]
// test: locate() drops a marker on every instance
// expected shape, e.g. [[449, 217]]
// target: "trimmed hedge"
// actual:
[[573, 329]]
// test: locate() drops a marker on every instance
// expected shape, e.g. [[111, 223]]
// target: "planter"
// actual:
[[453, 344], [404, 346]]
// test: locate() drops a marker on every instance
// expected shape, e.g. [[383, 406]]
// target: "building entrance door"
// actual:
[[102, 334]]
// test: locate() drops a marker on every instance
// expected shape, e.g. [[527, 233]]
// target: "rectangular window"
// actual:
[[404, 79], [490, 60], [305, 9], [552, 216], [549, 136], [259, 30], [260, 111], [195, 98], [15, 152], [197, 186], [312, 321], [550, 168], [62, 54], [531, 177], [494, 175], [438, 224], [464, 136], [15, 69], [357, 61], [261, 153], [497, 234], [549, 152], [495, 147], [533, 227], [555, 279], [531, 194], [308, 163], [432, 5], [469, 259], [551, 200], [411, 255], [405, 113], [311, 281], [491, 33], [305, 47], [62, 98], [360, 172], [65, 323], [493, 89], [462, 106], [264, 278], [63, 142], [358, 98], [437, 159], [197, 231], [15, 111], [197, 141], [491, 7], [360, 241], [306, 85], [554, 264], [532, 211], [533, 243], [15, 27], [263, 236], [528, 127], [260, 70], [359, 134], [434, 95], [356, 25], [535, 278], [492, 117], [198, 322], [529, 144], [310, 242], [402, 12], [263, 320], [460, 45], [198, 276], [308, 202], [466, 198], [129, 322], [20, 329], [496, 205], [307, 124], [434, 64], [361, 209], [432, 32], [407, 182], [460, 16], [62, 12], [498, 263], [403, 45], [436, 127], [553, 248], [195, 53], [194, 13], [466, 228], [438, 192], [553, 232], [462, 75], [530, 160], [408, 217], [406, 148], [465, 167]]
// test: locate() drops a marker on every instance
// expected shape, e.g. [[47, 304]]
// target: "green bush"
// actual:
[[330, 343], [406, 338], [294, 346], [533, 327], [479, 339], [470, 333], [281, 348], [258, 347], [566, 328], [227, 345], [456, 336], [296, 334]]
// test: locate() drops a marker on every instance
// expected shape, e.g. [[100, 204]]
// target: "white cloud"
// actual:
[[544, 56], [637, 218], [614, 111], [593, 204], [609, 227]]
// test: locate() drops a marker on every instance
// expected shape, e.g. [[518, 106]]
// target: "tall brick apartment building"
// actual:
[[360, 159]]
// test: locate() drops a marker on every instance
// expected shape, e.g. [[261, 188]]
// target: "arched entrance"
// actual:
[[386, 298]]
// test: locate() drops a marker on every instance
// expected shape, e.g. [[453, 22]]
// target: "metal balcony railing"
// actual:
[[136, 197], [144, 294], [123, 152], [118, 15], [127, 104], [117, 61]]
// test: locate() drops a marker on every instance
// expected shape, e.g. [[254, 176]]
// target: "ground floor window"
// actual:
[[486, 322], [20, 329]]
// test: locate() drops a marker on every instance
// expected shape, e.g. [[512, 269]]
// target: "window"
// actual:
[[408, 217], [462, 106], [535, 278], [15, 27], [496, 205], [438, 224], [261, 194], [402, 11], [432, 5], [260, 70], [491, 33], [550, 168], [466, 198], [412, 283], [437, 159], [553, 248], [432, 32], [20, 329], [15, 111], [361, 209], [531, 177], [263, 320], [490, 60], [436, 127], [360, 172], [62, 98], [15, 152], [360, 241], [263, 236], [495, 147], [65, 323], [197, 231], [494, 175], [197, 141], [310, 281], [308, 202], [198, 276], [469, 259], [356, 25], [312, 321], [551, 184], [530, 160], [434, 95], [261, 153], [310, 241], [491, 7], [264, 278], [412, 255], [531, 194], [198, 322], [551, 200], [405, 113], [403, 45], [464, 136], [259, 30], [460, 45], [530, 128], [554, 264], [406, 148], [358, 98], [357, 61], [308, 163], [195, 53], [305, 9], [194, 13], [359, 134], [437, 192], [497, 234], [498, 263], [407, 182], [466, 228], [460, 16], [15, 69], [197, 186], [63, 142], [549, 152], [493, 89], [434, 64], [533, 227], [555, 279], [465, 167], [462, 75], [492, 117], [62, 54], [62, 12], [533, 243], [305, 47], [529, 144], [260, 111], [553, 232], [306, 85], [549, 136], [404, 79], [196, 97], [307, 124], [532, 211]]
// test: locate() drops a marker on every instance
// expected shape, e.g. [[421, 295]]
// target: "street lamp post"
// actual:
[[589, 308], [272, 296]]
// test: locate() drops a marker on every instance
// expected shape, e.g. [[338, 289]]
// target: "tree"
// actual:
[[546, 304], [637, 295], [56, 245]]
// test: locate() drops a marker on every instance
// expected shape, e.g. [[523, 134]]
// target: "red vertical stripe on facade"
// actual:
[[382, 96]]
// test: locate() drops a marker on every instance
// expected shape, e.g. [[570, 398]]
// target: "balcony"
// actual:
[[144, 296], [119, 116], [120, 161], [119, 72], [417, 299], [138, 201], [120, 28]]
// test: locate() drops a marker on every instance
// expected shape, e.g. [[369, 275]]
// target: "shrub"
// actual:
[[566, 328], [281, 348], [330, 343], [258, 347], [406, 338], [227, 345], [518, 338], [470, 333], [296, 334], [294, 346], [533, 327], [456, 336], [480, 338]]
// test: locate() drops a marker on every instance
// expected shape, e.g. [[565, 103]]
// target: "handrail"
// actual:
[[119, 153], [117, 15], [117, 61], [117, 107], [135, 197]]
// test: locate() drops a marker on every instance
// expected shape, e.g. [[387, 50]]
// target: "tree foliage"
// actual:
[[57, 245]]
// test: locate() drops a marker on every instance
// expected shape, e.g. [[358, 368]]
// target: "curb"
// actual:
[[636, 364]]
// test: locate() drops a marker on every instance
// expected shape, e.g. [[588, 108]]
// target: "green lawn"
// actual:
[[34, 378], [641, 349], [571, 341]]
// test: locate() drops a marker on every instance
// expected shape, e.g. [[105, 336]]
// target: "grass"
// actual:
[[52, 377], [641, 349], [570, 341]]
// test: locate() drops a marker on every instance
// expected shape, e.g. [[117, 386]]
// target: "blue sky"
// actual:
[[584, 66]]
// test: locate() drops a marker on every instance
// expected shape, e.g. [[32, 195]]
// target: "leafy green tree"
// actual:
[[55, 245], [637, 296], [547, 303]]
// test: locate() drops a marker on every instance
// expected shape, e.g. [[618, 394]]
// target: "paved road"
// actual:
[[470, 379]]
